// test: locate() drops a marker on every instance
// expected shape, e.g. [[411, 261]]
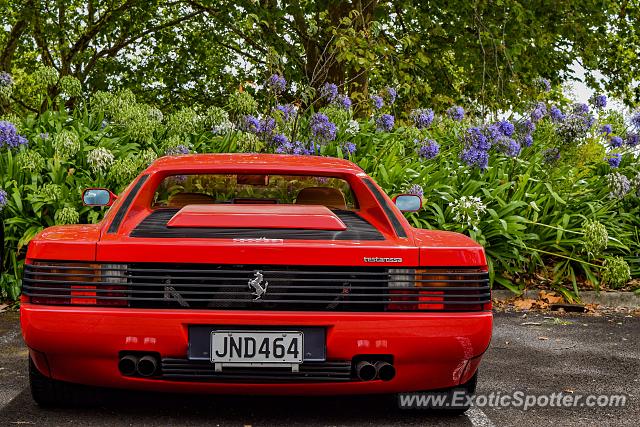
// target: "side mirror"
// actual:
[[408, 202], [98, 197]]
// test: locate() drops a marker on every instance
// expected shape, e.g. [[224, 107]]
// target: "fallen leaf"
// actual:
[[568, 390], [524, 304], [591, 308], [551, 297], [3, 307]]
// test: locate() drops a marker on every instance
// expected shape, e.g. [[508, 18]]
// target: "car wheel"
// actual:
[[449, 401], [48, 392]]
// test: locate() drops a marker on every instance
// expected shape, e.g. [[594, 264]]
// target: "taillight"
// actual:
[[76, 284], [437, 289]]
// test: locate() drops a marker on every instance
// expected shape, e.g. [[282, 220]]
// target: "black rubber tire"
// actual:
[[48, 392], [469, 388]]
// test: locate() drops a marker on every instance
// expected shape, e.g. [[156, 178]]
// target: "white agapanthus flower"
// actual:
[[100, 159], [353, 127], [66, 144], [222, 128], [468, 210]]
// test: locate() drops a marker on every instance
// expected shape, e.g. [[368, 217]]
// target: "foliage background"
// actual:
[[100, 89]]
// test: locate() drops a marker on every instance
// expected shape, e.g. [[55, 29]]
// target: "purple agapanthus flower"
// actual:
[[493, 133], [422, 117], [343, 101], [322, 128], [474, 137], [600, 101], [5, 79], [614, 160], [329, 91], [295, 147], [280, 139], [456, 113], [177, 150], [392, 94], [556, 114], [616, 142], [385, 122], [606, 129], [536, 115], [267, 126], [635, 119], [539, 111], [276, 83], [416, 190], [3, 199], [428, 149], [528, 127], [250, 124], [472, 156], [632, 139], [580, 108], [506, 127], [9, 136], [543, 84], [526, 140], [349, 147], [575, 125], [288, 111], [378, 102], [551, 155], [512, 148]]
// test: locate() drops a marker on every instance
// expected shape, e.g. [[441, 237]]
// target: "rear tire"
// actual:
[[457, 393], [48, 392]]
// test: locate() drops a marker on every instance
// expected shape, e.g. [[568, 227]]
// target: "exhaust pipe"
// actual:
[[385, 370], [365, 371], [147, 366], [127, 365]]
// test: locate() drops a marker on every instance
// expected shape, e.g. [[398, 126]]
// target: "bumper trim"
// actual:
[[202, 371]]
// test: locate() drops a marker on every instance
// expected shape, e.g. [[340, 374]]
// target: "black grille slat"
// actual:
[[155, 226], [298, 288], [196, 370]]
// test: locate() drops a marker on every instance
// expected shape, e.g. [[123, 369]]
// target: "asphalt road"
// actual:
[[535, 355]]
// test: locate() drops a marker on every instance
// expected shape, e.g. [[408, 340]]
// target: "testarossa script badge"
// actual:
[[376, 259]]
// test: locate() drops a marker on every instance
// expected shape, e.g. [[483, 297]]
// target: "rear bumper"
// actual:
[[430, 350]]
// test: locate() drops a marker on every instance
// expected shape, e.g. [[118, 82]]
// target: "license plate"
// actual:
[[256, 347]]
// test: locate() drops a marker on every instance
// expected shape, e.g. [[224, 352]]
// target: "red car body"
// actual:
[[78, 327]]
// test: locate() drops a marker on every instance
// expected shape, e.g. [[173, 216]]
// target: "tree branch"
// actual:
[[6, 58], [124, 42]]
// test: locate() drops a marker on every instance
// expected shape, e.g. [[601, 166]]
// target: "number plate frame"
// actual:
[[259, 359]]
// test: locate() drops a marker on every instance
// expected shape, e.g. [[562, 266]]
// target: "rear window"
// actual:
[[177, 191]]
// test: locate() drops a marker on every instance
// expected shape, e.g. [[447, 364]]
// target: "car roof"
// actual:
[[231, 161]]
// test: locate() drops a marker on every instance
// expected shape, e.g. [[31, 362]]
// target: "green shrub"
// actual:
[[551, 198]]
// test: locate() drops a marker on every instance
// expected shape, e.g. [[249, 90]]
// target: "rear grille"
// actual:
[[228, 287], [197, 370]]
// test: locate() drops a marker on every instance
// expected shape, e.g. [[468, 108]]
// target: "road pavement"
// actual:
[[536, 355]]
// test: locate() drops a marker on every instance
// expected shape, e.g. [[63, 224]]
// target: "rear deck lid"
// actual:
[[234, 216]]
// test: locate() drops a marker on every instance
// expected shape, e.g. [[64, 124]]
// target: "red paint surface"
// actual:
[[81, 344], [257, 216]]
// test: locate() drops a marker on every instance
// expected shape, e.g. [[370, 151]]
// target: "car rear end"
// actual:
[[322, 308]]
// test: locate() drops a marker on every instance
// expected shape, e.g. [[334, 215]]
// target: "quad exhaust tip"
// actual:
[[147, 366], [367, 371], [385, 370], [128, 365], [144, 366]]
